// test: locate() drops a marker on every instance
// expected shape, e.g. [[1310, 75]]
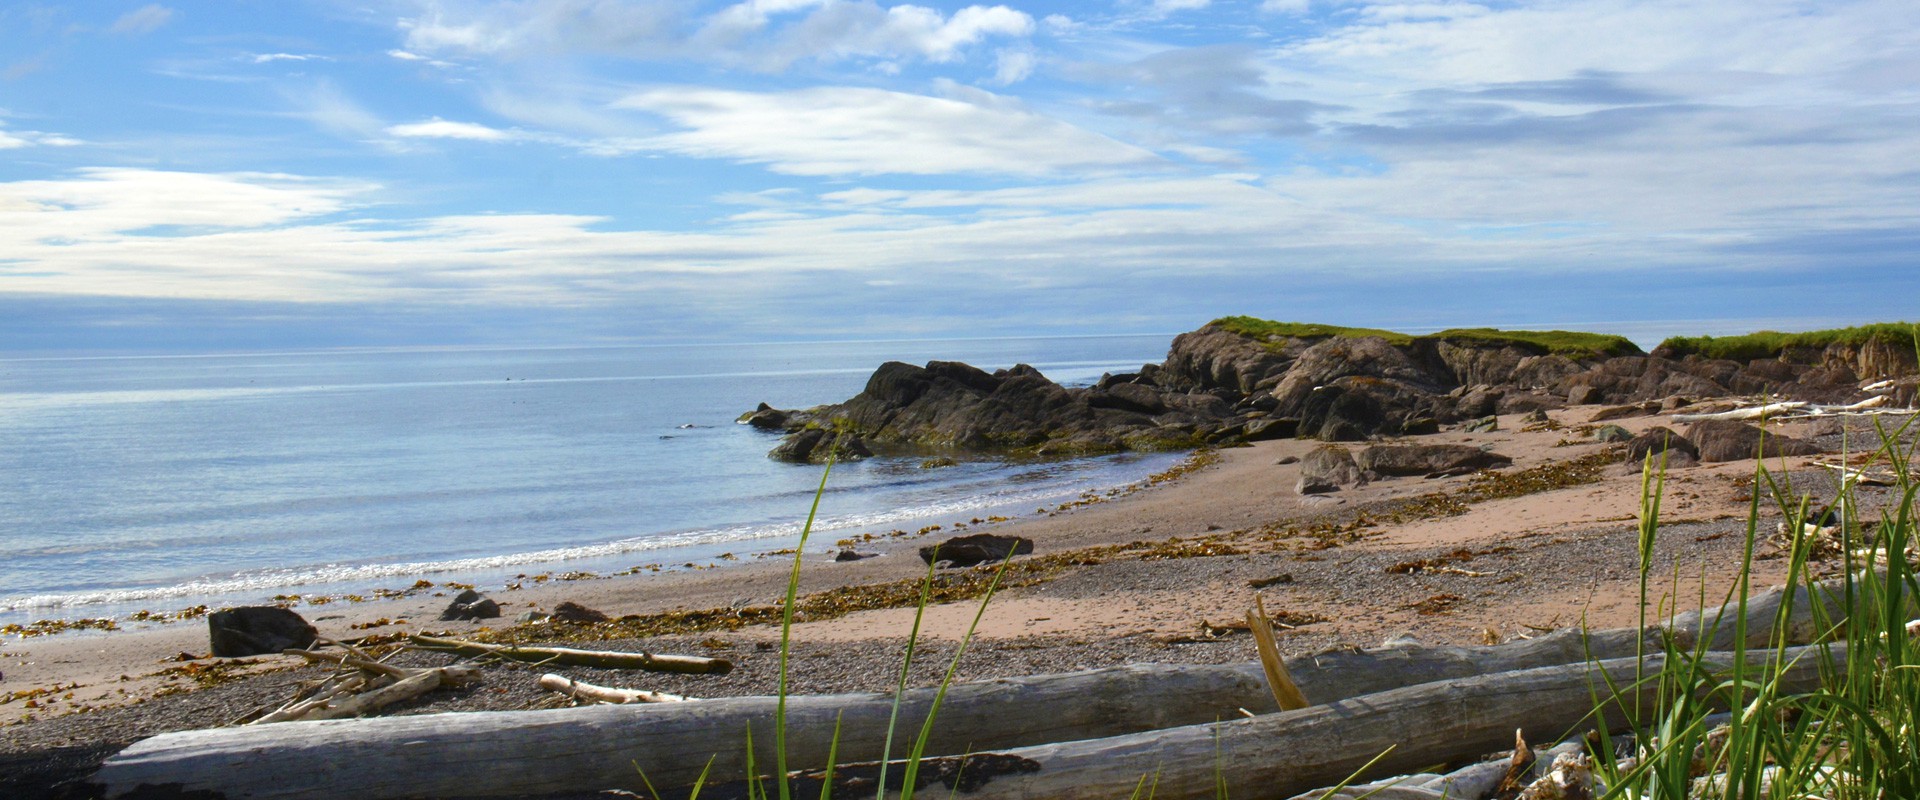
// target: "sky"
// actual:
[[247, 175]]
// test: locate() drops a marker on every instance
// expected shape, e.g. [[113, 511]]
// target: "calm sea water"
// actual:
[[162, 482]]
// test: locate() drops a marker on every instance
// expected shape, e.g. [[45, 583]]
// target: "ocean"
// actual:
[[162, 482]]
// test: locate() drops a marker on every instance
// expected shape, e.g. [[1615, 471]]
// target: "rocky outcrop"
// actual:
[[1220, 384]]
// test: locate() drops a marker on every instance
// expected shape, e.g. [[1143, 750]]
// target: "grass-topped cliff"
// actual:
[[1572, 344], [1770, 344]]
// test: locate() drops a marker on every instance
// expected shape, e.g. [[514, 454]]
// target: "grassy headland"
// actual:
[[1770, 344], [1572, 344]]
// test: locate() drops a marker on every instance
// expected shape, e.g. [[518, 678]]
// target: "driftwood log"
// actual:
[[592, 748], [570, 657], [604, 694], [1277, 755]]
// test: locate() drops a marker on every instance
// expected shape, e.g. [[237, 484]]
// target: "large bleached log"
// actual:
[[568, 656], [1278, 755]]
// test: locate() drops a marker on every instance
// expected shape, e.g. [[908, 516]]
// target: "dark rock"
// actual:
[[1288, 460], [1486, 424], [798, 446], [1527, 403], [816, 445], [1212, 357], [1731, 440], [1617, 412], [1261, 430], [1327, 468], [470, 605], [1582, 394], [1612, 433], [939, 461], [1427, 459], [570, 611], [257, 630], [1128, 397], [1423, 426], [978, 548], [1657, 440], [767, 417], [1478, 401], [849, 554]]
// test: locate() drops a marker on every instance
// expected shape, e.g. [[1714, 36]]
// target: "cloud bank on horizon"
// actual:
[[445, 171]]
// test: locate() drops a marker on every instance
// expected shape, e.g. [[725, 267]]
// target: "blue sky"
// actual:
[[264, 174]]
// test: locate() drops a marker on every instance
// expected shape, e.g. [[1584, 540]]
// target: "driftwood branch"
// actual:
[[604, 694], [567, 656]]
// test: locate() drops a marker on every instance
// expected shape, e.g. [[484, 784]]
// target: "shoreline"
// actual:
[[1514, 577], [174, 606]]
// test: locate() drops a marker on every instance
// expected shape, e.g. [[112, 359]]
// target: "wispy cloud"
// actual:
[[267, 58], [438, 128], [12, 140], [857, 131], [761, 34], [143, 20]]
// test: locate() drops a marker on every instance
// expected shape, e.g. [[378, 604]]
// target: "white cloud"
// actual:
[[265, 58], [1285, 6], [438, 128], [406, 56], [1013, 66], [764, 34], [856, 131], [332, 110], [13, 140], [1166, 7], [142, 20]]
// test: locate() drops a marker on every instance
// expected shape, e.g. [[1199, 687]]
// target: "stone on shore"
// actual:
[[1657, 440], [1327, 468], [1731, 440], [257, 630], [470, 605], [1428, 459], [978, 548]]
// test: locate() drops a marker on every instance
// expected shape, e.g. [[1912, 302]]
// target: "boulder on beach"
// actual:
[[978, 548], [1327, 468], [1657, 440], [470, 605], [570, 611], [1612, 434], [257, 630], [1730, 440], [1427, 459]]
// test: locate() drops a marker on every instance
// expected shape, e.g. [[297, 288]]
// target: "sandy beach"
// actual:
[[1169, 566]]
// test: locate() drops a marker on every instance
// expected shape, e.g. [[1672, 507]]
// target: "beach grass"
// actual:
[[1771, 344], [1735, 733]]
